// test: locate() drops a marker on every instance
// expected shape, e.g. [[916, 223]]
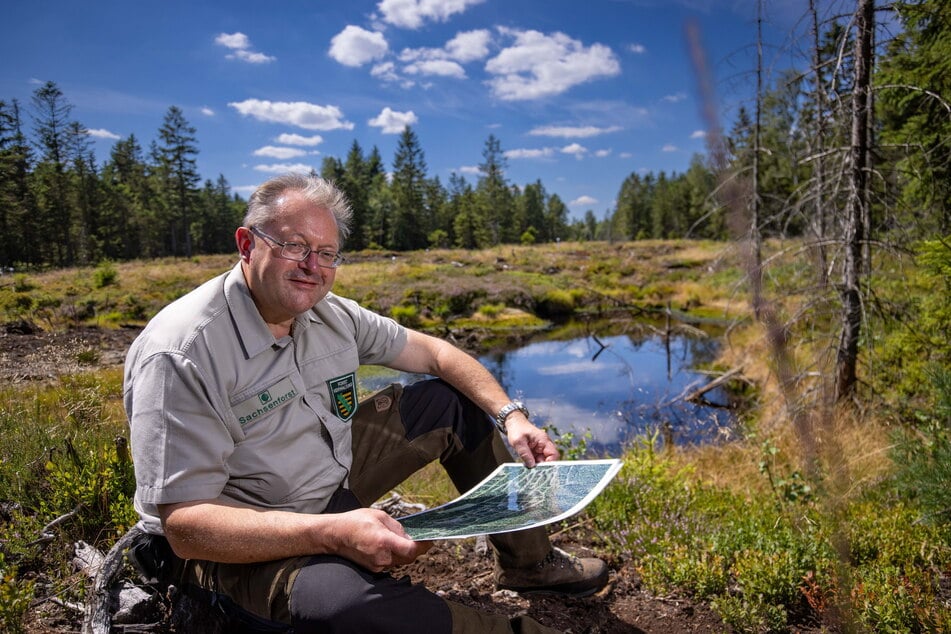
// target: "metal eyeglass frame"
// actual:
[[326, 259]]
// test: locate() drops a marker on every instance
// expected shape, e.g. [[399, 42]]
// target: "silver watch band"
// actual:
[[506, 410]]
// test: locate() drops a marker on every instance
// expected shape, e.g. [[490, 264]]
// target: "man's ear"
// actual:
[[245, 242]]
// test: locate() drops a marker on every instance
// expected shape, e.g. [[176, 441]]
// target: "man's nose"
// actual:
[[310, 262]]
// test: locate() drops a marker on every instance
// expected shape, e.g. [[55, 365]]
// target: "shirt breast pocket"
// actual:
[[257, 404]]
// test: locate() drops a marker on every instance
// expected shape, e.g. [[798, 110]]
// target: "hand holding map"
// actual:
[[513, 498]]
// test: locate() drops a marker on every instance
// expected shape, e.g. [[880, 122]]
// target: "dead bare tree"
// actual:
[[854, 230], [818, 222]]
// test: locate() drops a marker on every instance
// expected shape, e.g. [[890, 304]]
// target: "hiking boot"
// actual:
[[558, 573]]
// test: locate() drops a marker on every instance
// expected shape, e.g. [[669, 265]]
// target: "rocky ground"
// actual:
[[455, 569]]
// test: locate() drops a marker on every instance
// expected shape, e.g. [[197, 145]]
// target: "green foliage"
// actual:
[[98, 482], [22, 283], [791, 488], [16, 595], [570, 445], [915, 329], [528, 237], [923, 456], [105, 274], [438, 239], [406, 315], [750, 616], [896, 599], [555, 302], [760, 559], [491, 310]]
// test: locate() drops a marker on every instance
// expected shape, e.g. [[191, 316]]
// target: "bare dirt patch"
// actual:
[[29, 353]]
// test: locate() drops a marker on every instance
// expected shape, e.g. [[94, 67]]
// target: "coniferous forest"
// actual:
[[847, 126]]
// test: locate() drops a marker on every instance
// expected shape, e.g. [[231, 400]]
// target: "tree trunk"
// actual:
[[817, 221], [857, 206]]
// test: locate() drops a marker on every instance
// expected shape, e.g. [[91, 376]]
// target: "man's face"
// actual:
[[281, 288]]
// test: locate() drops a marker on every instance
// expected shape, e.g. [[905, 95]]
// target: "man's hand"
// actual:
[[531, 443], [221, 530], [374, 540]]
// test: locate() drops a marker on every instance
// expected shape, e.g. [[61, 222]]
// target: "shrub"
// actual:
[[406, 315], [98, 482], [16, 595], [491, 310], [924, 455], [105, 274], [555, 303], [22, 283]]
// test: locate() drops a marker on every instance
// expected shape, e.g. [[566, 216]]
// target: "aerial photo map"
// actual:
[[514, 498]]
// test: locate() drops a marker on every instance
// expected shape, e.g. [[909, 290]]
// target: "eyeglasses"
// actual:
[[300, 252]]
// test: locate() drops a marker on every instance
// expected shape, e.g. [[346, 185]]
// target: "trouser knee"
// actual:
[[333, 594]]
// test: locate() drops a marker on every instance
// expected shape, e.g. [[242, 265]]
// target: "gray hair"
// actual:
[[320, 192]]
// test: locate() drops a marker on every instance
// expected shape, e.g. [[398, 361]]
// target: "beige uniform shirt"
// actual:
[[218, 408]]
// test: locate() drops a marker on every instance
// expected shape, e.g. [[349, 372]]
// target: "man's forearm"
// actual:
[[217, 531], [221, 532]]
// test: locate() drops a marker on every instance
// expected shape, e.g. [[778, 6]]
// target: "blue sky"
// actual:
[[580, 93]]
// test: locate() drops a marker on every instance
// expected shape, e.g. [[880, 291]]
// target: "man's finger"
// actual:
[[526, 454]]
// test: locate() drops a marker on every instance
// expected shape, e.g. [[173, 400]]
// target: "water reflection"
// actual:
[[615, 387]]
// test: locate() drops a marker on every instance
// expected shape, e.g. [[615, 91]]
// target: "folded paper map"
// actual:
[[514, 498]]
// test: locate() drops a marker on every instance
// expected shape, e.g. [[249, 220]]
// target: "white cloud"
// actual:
[[675, 98], [698, 134], [575, 149], [670, 147], [470, 169], [443, 62], [392, 122], [572, 132], [355, 46], [526, 153], [602, 153], [103, 134], [438, 67], [281, 153], [297, 139], [469, 46], [639, 49], [240, 46], [235, 41], [297, 113], [385, 71], [411, 14], [626, 155], [538, 65], [252, 57], [208, 112], [284, 168], [583, 201]]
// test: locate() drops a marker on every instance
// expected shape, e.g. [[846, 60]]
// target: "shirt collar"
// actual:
[[252, 332]]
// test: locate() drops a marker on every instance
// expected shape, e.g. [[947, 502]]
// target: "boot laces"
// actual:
[[557, 558]]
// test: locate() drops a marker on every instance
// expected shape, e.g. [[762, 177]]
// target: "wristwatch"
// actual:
[[508, 409]]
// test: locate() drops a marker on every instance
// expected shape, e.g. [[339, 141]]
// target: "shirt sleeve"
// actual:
[[379, 339], [179, 439]]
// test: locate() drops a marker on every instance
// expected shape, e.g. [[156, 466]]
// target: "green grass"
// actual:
[[762, 535]]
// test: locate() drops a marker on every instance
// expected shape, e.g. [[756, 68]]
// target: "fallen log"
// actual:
[[696, 395], [105, 599]]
